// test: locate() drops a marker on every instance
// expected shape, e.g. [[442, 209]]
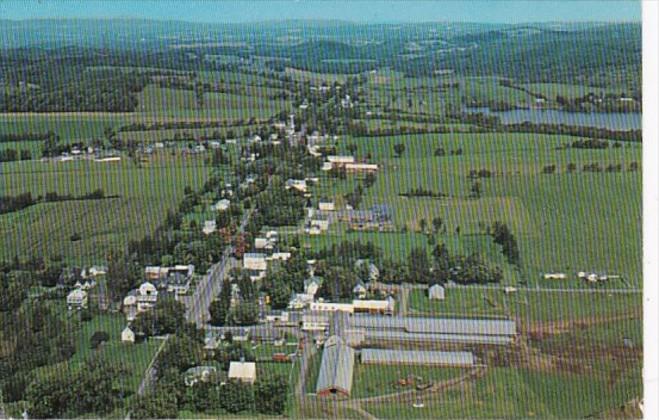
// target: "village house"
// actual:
[[77, 299], [140, 300], [209, 227], [300, 301], [326, 205], [255, 261], [198, 374], [312, 284], [221, 205], [243, 371], [297, 184], [436, 292], [127, 335], [359, 290]]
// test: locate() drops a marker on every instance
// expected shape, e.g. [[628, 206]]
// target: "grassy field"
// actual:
[[563, 222], [135, 358], [513, 393], [459, 302], [144, 196], [551, 90], [372, 380]]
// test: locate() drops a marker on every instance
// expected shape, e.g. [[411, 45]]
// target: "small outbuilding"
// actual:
[[243, 371], [127, 335], [436, 292]]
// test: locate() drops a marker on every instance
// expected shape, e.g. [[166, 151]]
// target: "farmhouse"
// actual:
[[255, 261], [297, 184], [359, 290], [326, 205], [198, 374], [127, 335], [140, 300], [367, 168], [243, 371], [331, 307], [436, 292], [336, 368], [413, 357], [315, 322], [385, 307], [221, 205], [312, 284], [209, 227], [77, 299]]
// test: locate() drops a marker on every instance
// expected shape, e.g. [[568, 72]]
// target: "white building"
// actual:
[[436, 292], [297, 184], [243, 371], [326, 205], [127, 335], [77, 299], [209, 227], [255, 261], [221, 205]]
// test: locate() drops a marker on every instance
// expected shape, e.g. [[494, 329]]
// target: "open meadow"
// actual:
[[136, 202]]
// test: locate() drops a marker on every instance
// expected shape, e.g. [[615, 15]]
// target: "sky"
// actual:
[[484, 11]]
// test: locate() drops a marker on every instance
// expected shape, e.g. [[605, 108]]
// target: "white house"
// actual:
[[209, 227], [359, 290], [146, 297], [555, 276], [311, 285], [221, 205], [255, 261], [197, 374], [127, 335], [280, 256], [300, 301], [77, 299], [298, 184], [243, 371], [326, 205], [436, 292]]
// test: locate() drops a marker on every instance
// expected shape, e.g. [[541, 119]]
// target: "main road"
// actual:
[[211, 284]]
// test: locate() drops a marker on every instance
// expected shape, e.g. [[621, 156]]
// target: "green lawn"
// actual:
[[145, 195], [372, 380], [135, 358], [565, 222], [459, 302]]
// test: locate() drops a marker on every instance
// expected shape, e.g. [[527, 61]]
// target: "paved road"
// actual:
[[541, 289], [211, 284], [151, 372]]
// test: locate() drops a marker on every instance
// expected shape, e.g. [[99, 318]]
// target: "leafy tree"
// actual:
[[236, 397], [181, 353], [219, 309], [418, 266], [280, 295], [155, 406], [98, 338], [476, 189], [269, 395], [246, 313], [123, 274], [437, 224], [399, 149]]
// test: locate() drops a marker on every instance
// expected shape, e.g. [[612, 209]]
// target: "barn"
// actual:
[[412, 357], [336, 368]]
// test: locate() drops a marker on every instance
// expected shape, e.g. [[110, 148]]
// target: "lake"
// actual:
[[608, 120]]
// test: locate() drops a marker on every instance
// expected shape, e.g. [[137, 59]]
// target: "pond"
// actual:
[[608, 120]]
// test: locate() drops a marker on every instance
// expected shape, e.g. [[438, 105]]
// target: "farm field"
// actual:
[[372, 380], [551, 90], [145, 194], [135, 358], [467, 302], [592, 210]]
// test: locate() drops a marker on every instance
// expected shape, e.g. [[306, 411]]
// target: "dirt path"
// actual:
[[558, 327]]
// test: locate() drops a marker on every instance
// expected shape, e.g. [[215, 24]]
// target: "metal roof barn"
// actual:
[[438, 325], [336, 368], [412, 357], [398, 337]]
